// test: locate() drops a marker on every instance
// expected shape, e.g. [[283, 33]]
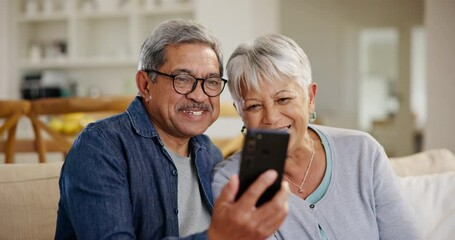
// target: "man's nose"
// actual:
[[198, 93]]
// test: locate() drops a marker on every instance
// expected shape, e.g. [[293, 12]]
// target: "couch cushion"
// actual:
[[432, 197], [423, 163], [29, 200]]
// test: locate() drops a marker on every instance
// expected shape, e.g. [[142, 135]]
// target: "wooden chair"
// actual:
[[57, 141], [11, 111], [230, 145]]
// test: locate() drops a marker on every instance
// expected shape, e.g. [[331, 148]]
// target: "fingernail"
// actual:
[[271, 174]]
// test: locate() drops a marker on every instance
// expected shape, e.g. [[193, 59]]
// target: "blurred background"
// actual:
[[382, 66]]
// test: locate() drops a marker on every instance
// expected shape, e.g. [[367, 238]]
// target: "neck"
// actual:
[[175, 144], [300, 185], [300, 156], [178, 145]]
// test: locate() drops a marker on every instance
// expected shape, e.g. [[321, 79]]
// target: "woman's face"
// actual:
[[280, 106]]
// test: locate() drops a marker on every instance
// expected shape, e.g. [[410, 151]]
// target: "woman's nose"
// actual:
[[271, 115]]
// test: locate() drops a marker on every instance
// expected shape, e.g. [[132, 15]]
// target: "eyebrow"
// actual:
[[290, 92], [187, 71], [284, 91], [180, 71]]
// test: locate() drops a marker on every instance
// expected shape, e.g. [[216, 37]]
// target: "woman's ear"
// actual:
[[143, 85], [312, 90]]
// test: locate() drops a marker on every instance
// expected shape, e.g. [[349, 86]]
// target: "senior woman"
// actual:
[[341, 182]]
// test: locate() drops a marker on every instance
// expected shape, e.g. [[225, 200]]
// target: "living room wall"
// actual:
[[5, 68], [439, 19], [329, 31]]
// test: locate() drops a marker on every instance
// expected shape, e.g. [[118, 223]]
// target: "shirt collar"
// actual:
[[140, 119]]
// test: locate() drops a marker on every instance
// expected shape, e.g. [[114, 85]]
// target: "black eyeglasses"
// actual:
[[184, 83]]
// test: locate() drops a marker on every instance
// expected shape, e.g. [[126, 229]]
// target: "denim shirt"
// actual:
[[118, 182]]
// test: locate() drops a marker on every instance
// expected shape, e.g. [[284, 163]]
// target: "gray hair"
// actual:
[[175, 32], [268, 58]]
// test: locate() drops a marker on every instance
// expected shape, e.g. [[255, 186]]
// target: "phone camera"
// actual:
[[251, 145]]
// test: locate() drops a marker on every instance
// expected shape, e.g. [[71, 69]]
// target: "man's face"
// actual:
[[184, 116]]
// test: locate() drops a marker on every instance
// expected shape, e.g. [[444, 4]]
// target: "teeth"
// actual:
[[288, 129], [198, 113]]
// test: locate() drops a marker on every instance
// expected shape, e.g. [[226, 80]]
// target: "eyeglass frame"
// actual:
[[173, 76]]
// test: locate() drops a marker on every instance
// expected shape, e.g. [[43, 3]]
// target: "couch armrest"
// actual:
[[426, 162], [29, 200]]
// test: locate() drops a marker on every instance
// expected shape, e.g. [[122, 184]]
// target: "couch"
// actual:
[[29, 195], [428, 183]]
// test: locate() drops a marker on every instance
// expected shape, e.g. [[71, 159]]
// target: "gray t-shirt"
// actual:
[[193, 215], [363, 199]]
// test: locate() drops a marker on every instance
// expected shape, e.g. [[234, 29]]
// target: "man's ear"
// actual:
[[142, 84]]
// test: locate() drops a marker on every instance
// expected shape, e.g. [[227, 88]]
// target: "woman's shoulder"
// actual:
[[230, 164], [337, 134], [337, 131]]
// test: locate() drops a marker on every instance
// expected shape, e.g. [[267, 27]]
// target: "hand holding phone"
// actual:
[[263, 149]]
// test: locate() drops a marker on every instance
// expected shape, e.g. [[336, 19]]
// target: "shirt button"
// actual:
[[311, 206], [176, 211], [174, 172]]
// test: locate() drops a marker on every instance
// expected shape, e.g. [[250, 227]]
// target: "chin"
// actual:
[[192, 131]]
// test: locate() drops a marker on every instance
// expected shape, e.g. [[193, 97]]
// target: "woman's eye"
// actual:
[[283, 100], [253, 107]]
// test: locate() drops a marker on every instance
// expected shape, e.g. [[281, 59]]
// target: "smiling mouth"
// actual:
[[195, 113], [287, 128]]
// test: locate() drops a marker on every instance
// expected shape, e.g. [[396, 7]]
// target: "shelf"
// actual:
[[183, 8], [78, 63], [102, 15], [42, 18], [92, 46]]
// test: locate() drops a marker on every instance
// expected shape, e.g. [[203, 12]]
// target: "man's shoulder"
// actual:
[[110, 124], [105, 131]]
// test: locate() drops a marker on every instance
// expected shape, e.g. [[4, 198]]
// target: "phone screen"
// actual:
[[263, 149]]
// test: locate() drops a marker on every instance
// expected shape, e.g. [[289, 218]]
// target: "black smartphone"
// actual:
[[263, 149]]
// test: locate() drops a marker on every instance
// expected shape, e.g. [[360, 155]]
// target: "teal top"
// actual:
[[322, 188]]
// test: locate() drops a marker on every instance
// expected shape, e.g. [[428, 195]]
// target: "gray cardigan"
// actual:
[[363, 200]]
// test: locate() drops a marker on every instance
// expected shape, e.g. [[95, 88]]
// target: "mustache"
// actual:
[[194, 106]]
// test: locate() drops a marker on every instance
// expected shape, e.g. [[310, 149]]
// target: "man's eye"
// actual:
[[183, 79], [213, 82]]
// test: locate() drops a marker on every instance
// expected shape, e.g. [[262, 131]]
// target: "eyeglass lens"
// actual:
[[184, 84]]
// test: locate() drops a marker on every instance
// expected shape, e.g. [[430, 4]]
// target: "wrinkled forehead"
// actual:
[[260, 81]]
